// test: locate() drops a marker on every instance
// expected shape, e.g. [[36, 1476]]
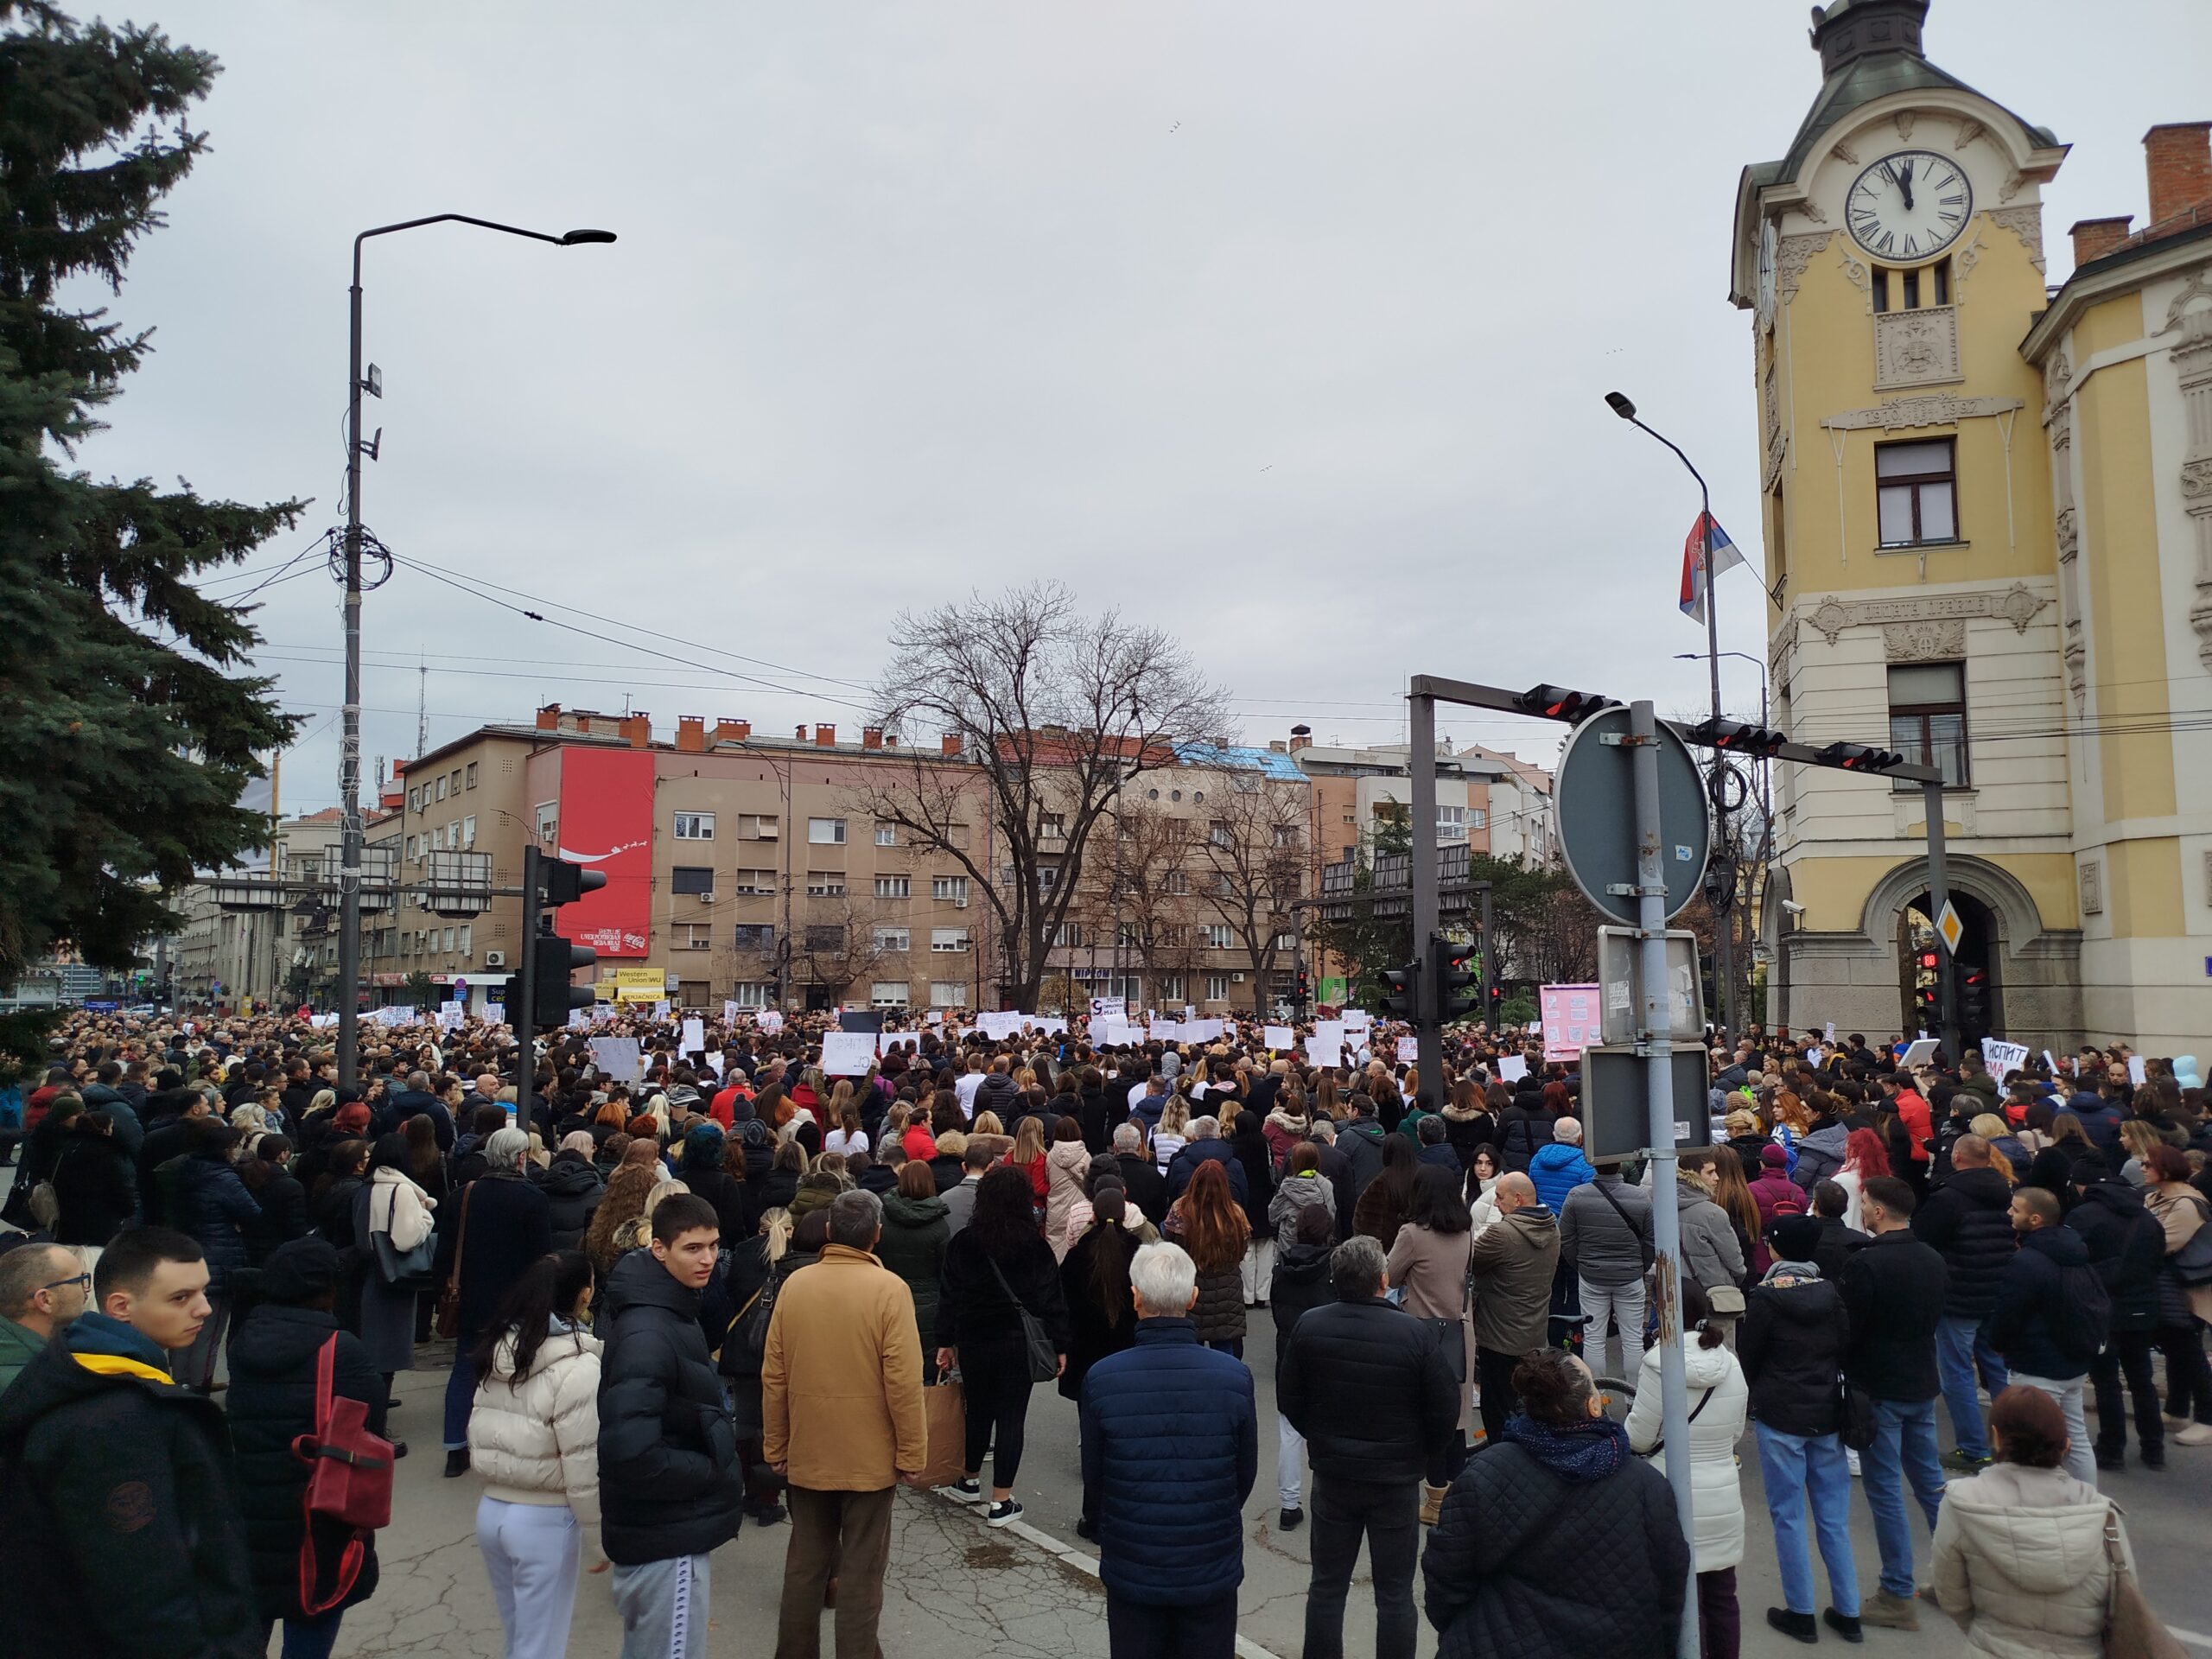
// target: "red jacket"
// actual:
[[1919, 1122]]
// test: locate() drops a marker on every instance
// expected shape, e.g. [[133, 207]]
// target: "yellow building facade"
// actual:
[[1987, 520]]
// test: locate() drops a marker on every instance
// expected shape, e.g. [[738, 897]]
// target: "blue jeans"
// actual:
[[1792, 1468], [1904, 1449], [1962, 1350], [309, 1638], [460, 1395]]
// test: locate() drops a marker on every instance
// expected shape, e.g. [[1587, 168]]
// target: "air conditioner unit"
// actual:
[[707, 897], [960, 904], [1236, 979], [495, 958]]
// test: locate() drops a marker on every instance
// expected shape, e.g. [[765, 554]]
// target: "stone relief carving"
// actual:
[[1844, 153], [2069, 534], [1855, 270], [1966, 258], [1968, 131], [1813, 211], [1931, 641], [2018, 605], [1933, 409], [2199, 287], [2026, 223], [1915, 348], [1905, 118], [2011, 188], [2197, 479], [1792, 255]]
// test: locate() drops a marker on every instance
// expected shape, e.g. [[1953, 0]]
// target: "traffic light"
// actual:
[[1973, 999], [1858, 757], [1457, 995], [1927, 990], [1736, 737], [1557, 702], [1305, 988], [554, 960], [1496, 1007], [1401, 991], [565, 883]]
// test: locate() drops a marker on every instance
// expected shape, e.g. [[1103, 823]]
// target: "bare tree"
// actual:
[[836, 943], [1255, 864], [1056, 710]]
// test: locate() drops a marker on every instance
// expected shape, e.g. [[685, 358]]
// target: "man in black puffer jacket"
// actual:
[[1371, 1392], [2127, 1248], [1965, 1220], [670, 1491], [2050, 1318], [274, 1359]]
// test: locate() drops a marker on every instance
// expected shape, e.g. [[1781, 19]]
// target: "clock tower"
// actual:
[[1892, 263]]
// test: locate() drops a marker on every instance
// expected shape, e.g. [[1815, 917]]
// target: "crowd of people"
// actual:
[[730, 1287]]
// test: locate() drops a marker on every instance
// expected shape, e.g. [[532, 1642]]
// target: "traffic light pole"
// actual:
[[1939, 899], [1427, 901], [525, 1018]]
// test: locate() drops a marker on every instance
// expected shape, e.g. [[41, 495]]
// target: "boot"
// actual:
[[1889, 1612], [1432, 1504], [1843, 1625], [1800, 1625]]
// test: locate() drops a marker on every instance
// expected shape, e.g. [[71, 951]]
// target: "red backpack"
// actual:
[[349, 1482]]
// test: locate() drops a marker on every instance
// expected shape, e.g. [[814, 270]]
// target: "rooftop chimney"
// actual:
[[548, 718], [825, 737], [732, 731], [2096, 238], [871, 737], [1301, 737], [691, 734], [949, 744], [638, 728], [2178, 157]]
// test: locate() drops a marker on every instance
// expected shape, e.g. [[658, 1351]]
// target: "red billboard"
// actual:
[[607, 825]]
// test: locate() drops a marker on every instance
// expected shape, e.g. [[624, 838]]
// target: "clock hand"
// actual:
[[1905, 184]]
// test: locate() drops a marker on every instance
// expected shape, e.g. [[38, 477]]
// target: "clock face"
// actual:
[[1908, 207]]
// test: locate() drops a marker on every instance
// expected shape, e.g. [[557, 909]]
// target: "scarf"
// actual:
[[1587, 1451], [1783, 1275]]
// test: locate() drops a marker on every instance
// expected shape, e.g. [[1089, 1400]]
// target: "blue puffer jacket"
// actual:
[[1557, 1170], [1170, 1449], [213, 1205]]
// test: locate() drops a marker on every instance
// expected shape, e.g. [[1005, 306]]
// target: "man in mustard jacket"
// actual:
[[841, 1395]]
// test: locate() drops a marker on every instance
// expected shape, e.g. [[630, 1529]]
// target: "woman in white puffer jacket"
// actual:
[[533, 1434], [1720, 1402]]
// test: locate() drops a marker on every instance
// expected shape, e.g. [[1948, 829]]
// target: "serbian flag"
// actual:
[[1693, 576]]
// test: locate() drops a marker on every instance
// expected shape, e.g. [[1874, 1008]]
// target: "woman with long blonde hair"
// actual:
[[1169, 1137], [1028, 1155], [1734, 1194]]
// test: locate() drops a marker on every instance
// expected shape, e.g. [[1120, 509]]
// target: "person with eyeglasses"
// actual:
[[42, 1288]]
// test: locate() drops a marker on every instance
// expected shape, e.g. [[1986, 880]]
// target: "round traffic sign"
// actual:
[[1594, 798]]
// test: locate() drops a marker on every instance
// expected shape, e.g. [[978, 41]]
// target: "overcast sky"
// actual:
[[1284, 325]]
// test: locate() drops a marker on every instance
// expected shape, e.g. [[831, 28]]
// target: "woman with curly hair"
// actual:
[[627, 1188], [1208, 1223]]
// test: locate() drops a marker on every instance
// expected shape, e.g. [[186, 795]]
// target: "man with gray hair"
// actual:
[[502, 1223], [42, 1288], [1375, 1397], [1206, 1142], [1148, 1187], [1170, 1451], [417, 1098], [841, 1397]]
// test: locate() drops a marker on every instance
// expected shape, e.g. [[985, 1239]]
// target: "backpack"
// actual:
[[1793, 1204], [2084, 1320]]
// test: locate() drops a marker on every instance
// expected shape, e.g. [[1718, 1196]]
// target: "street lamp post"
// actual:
[[1619, 403], [349, 753], [1766, 773]]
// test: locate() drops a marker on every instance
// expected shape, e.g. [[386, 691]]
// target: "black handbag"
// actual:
[[1451, 1344], [1857, 1426], [1036, 1341]]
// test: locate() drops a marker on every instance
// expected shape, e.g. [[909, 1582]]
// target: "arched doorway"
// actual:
[[1980, 997]]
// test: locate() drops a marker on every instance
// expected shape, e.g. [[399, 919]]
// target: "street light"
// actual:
[[1621, 405], [349, 754]]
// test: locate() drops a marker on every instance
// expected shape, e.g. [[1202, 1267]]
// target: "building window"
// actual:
[[1052, 826], [826, 832], [691, 878], [442, 786], [1916, 486], [1125, 936], [756, 882], [449, 936], [1286, 834], [1176, 884], [1216, 988], [1220, 937], [472, 774], [695, 936], [756, 826], [549, 822], [951, 887], [946, 994], [1048, 877], [413, 800], [456, 780], [825, 940], [886, 835], [1068, 936], [826, 884], [754, 936], [948, 938], [898, 940], [695, 826], [1927, 719], [1171, 988], [1450, 824], [893, 887], [467, 939], [468, 830], [887, 994], [1284, 941], [752, 995], [1217, 833], [1476, 818]]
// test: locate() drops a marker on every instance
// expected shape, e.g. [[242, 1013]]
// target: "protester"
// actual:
[[2020, 1559], [119, 1532], [277, 1359], [1170, 1451], [916, 1232], [1720, 1406], [738, 1300], [205, 1200], [1301, 1283], [392, 1206], [501, 1226], [1094, 1282], [1605, 1236], [670, 1492], [42, 1288], [1967, 1220], [1208, 1223], [95, 1180], [842, 1404], [1428, 1267], [1794, 1335], [2126, 1248], [533, 1436], [1559, 1168], [995, 1268], [1369, 1459], [1513, 1262], [2184, 1309], [1558, 1541]]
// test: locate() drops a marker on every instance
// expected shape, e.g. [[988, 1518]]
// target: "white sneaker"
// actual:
[[962, 1491]]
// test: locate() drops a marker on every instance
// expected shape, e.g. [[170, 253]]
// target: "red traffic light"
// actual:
[[1736, 737], [1559, 702]]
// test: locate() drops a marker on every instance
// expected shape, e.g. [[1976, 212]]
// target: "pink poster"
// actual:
[[1571, 1019]]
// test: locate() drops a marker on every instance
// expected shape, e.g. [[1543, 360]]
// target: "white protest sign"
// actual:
[[1109, 1008], [322, 1021], [2138, 1073], [999, 1026], [660, 1010], [729, 1011], [769, 1019], [451, 1014], [1281, 1038], [2003, 1058], [1511, 1068], [1327, 1055], [1116, 1034], [616, 1058], [1918, 1052], [1164, 1031], [2052, 1064], [1328, 1032], [1408, 1051], [695, 1036], [1357, 1022], [847, 1053], [495, 1012], [1828, 1036]]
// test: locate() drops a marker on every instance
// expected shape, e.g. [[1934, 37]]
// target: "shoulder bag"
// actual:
[[447, 1320], [396, 1266], [1858, 1427], [349, 1482], [2192, 1263], [1036, 1342], [1660, 1445], [2132, 1629], [1643, 1244]]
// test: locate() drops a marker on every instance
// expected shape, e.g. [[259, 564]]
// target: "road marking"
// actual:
[[2192, 1637]]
